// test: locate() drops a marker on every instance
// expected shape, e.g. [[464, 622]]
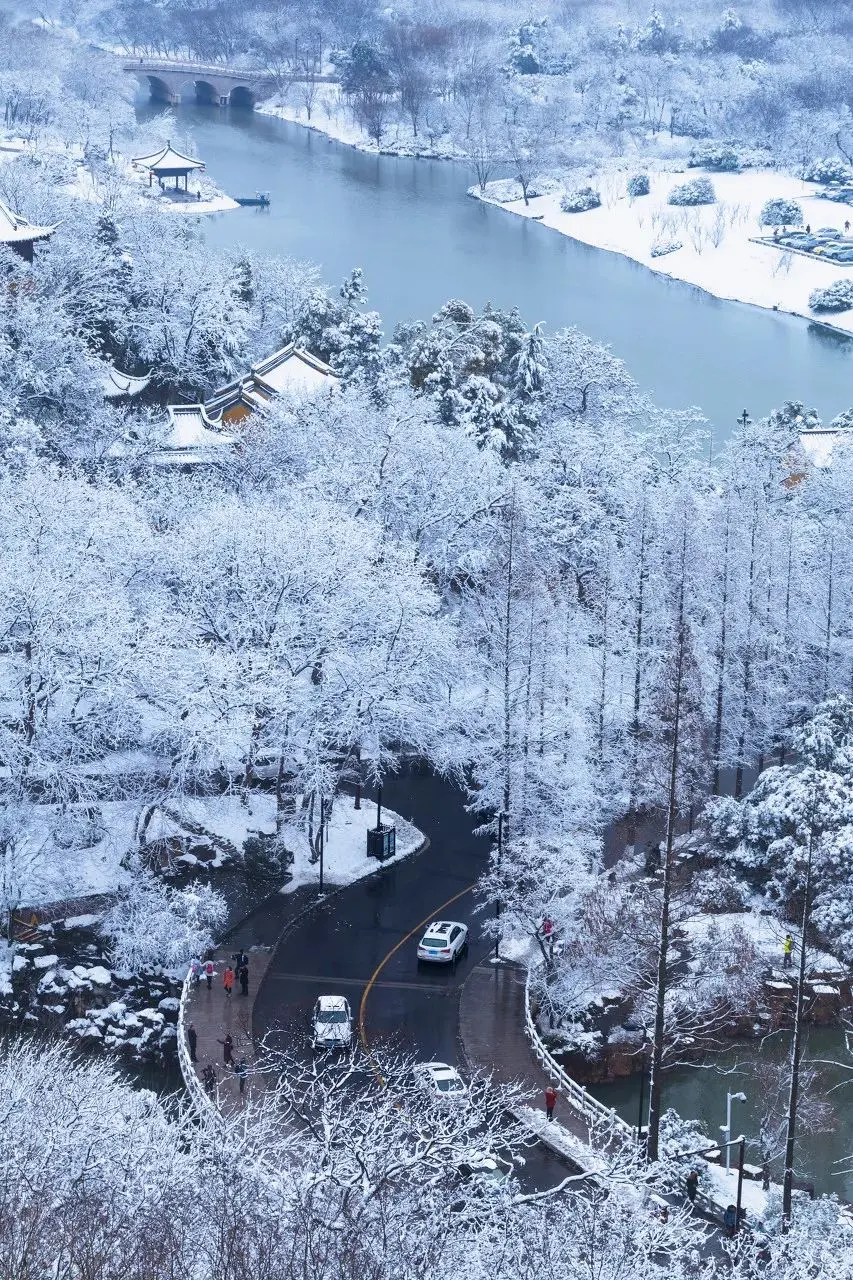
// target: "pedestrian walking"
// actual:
[[847, 227], [550, 1101], [240, 958], [209, 971], [242, 1071], [244, 979], [208, 1079], [787, 951], [692, 1185], [228, 980], [227, 1050], [808, 228], [192, 1041], [730, 1220], [195, 970]]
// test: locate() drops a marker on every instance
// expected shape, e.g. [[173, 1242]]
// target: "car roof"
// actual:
[[332, 1002], [442, 926], [440, 1069]]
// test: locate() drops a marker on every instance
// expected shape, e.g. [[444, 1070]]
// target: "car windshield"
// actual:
[[448, 1084], [327, 1016], [435, 942]]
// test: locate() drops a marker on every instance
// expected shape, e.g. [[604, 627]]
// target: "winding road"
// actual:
[[361, 943]]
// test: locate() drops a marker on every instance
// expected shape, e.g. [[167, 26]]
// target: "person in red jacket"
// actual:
[[550, 1101], [228, 980]]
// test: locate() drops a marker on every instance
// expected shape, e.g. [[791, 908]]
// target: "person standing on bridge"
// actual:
[[243, 975], [192, 1041], [228, 979], [209, 971], [550, 1101], [227, 1051]]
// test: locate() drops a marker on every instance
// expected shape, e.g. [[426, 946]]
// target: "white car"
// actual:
[[443, 1082], [331, 1024], [444, 942]]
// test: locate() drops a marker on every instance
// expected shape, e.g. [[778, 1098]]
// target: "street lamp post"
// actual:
[[501, 817], [727, 1127]]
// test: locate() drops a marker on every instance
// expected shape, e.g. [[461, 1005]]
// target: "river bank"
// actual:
[[714, 247]]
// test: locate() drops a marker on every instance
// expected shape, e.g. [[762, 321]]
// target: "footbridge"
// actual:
[[219, 84]]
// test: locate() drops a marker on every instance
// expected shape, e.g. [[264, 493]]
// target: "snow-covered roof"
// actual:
[[189, 427], [117, 384], [820, 443], [167, 160], [292, 369], [16, 230]]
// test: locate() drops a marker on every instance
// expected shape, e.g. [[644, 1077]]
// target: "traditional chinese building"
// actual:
[[168, 163], [19, 234], [290, 370]]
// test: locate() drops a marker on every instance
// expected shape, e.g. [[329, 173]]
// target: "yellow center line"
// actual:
[[433, 915]]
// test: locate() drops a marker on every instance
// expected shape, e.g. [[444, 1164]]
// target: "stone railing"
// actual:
[[576, 1095], [203, 1104]]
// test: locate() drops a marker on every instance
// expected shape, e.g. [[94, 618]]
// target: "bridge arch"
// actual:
[[243, 97], [161, 91], [206, 92]]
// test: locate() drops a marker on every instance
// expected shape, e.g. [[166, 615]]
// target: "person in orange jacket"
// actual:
[[228, 980]]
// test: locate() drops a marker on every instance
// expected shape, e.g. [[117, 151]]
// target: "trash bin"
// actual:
[[382, 842]]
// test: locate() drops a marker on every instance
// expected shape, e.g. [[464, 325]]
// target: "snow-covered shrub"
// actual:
[[580, 200], [718, 889], [836, 297], [543, 186], [780, 213], [661, 248], [697, 191], [714, 155], [152, 924], [638, 185], [828, 169], [843, 421]]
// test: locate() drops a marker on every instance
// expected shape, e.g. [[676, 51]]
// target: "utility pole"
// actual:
[[797, 1041]]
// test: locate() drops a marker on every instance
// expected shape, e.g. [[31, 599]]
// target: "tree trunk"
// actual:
[[635, 722], [747, 662], [796, 1043], [721, 660]]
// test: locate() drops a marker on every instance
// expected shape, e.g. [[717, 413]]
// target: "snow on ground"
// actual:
[[332, 116], [345, 858], [6, 962], [764, 932], [733, 267], [721, 1188]]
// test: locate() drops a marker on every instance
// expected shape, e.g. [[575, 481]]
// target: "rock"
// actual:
[[100, 975], [46, 962]]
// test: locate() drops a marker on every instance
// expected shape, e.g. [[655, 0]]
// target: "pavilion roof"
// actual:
[[16, 230], [167, 159]]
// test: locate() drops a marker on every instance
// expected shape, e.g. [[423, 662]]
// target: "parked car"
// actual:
[[331, 1024], [443, 942], [442, 1082]]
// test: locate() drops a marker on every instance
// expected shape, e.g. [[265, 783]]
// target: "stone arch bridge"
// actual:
[[222, 85]]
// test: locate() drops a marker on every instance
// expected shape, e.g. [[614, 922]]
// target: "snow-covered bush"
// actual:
[[661, 248], [638, 185], [718, 889], [780, 213], [843, 421], [697, 191], [580, 200], [836, 297], [828, 169], [154, 925], [714, 155]]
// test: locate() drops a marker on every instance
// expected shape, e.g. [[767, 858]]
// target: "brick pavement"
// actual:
[[491, 1027], [215, 1015]]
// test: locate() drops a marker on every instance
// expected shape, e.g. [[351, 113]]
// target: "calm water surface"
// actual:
[[421, 240]]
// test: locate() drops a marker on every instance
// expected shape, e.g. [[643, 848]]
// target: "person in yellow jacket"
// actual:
[[787, 951]]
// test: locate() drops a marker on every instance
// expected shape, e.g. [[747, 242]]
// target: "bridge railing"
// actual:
[[198, 68], [573, 1093], [201, 1101]]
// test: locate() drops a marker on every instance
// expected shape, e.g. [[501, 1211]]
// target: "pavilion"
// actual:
[[290, 370], [19, 234], [168, 163]]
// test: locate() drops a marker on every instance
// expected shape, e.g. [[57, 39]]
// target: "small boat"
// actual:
[[259, 198]]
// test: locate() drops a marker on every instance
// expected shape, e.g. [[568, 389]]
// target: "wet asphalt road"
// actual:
[[338, 947]]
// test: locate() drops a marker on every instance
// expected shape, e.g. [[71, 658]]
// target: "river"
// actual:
[[421, 240]]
